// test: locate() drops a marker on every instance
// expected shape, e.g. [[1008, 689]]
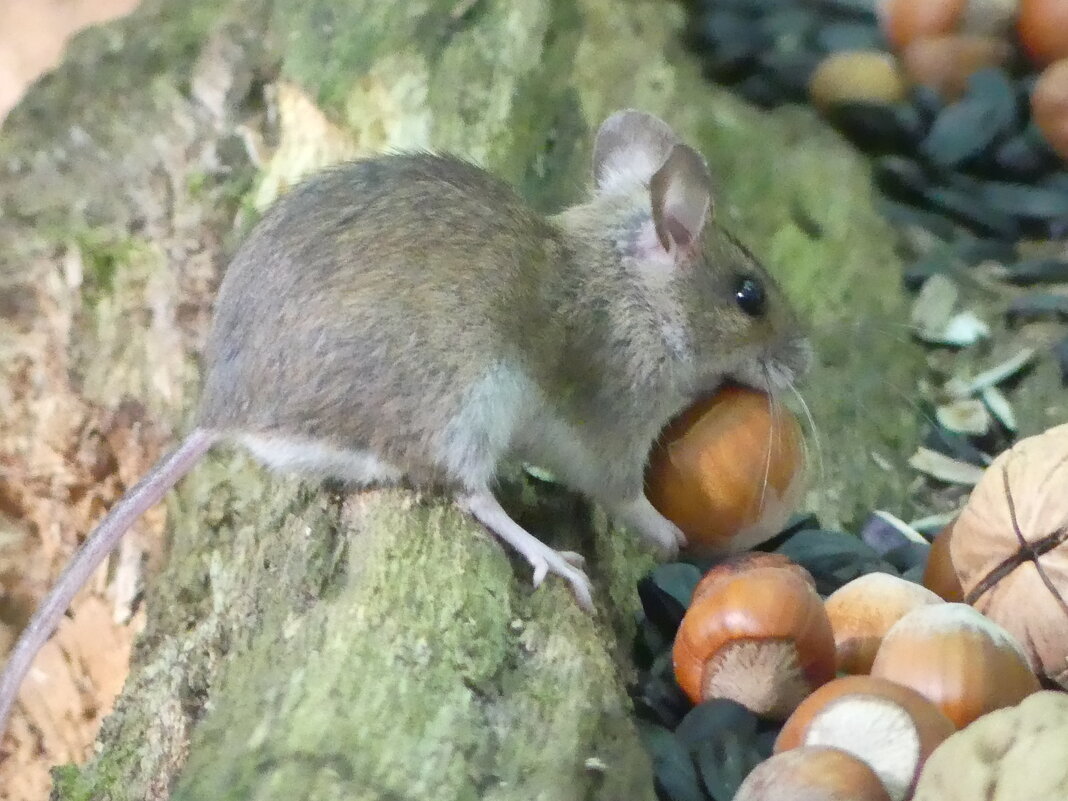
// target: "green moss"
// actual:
[[103, 254], [196, 183], [95, 782], [353, 34], [126, 56], [319, 681]]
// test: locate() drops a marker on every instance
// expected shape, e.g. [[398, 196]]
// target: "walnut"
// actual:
[[1008, 755], [1009, 548]]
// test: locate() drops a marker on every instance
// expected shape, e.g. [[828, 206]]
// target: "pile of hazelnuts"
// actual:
[[871, 679], [940, 42]]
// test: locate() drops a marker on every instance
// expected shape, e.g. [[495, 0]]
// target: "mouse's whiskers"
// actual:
[[773, 413]]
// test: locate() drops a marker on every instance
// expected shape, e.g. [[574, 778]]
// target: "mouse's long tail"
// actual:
[[145, 494]]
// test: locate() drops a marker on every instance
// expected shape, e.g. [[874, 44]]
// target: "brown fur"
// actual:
[[371, 299]]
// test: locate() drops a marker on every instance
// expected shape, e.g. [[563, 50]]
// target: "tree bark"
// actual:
[[303, 644]]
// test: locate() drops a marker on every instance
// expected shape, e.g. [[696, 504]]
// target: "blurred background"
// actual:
[[33, 34]]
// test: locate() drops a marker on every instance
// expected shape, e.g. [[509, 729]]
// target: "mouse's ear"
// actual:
[[630, 146], [681, 196]]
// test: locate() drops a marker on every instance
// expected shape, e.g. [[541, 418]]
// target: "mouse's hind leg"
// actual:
[[311, 457], [568, 565]]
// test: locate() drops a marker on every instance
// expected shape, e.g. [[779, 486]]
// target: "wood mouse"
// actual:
[[409, 317]]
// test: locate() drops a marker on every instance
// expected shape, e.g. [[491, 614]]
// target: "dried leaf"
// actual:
[[944, 468], [968, 417], [933, 306], [1000, 407], [960, 388]]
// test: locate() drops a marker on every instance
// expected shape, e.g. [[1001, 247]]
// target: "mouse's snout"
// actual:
[[788, 360]]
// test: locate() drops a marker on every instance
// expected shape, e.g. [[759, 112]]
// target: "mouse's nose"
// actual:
[[794, 357]]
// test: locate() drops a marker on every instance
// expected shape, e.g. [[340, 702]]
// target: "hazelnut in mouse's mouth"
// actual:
[[729, 470]]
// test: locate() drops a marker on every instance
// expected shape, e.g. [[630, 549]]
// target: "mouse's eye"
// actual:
[[750, 296]]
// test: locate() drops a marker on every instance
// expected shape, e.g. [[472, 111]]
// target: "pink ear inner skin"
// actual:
[[680, 195]]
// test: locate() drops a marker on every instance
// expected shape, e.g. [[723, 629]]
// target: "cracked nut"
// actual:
[[1009, 755]]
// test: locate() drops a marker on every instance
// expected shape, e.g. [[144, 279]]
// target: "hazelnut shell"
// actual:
[[966, 664], [892, 728], [812, 773], [863, 610], [728, 471], [760, 638], [1049, 106]]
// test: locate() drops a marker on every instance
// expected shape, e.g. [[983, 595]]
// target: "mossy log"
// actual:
[[304, 644]]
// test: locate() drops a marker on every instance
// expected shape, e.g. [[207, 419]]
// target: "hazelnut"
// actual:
[[1043, 30], [1049, 106], [760, 638], [863, 610], [740, 563], [906, 21], [1010, 548], [890, 727], [944, 63], [939, 575], [728, 471], [963, 662], [812, 773], [989, 17], [856, 76]]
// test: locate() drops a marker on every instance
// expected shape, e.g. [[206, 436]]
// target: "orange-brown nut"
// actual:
[[863, 610], [890, 727], [1049, 106], [966, 664], [939, 575], [944, 63], [904, 21], [728, 471], [812, 773], [742, 562], [1043, 29], [760, 638]]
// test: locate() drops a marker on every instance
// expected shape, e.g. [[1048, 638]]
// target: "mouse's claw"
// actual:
[[568, 566], [544, 560], [563, 564], [541, 570]]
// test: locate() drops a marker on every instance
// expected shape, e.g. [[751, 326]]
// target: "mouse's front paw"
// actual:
[[664, 536]]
